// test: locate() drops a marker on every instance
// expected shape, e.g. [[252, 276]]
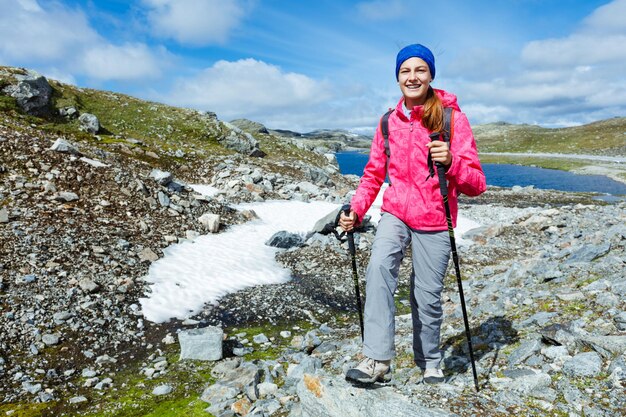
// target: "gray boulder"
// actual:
[[249, 126], [61, 145], [321, 224], [525, 350], [285, 240], [201, 344], [322, 396], [241, 142], [32, 93], [4, 215], [68, 112], [587, 364], [319, 176], [89, 123], [608, 346], [588, 253], [164, 389], [66, 196], [162, 177], [620, 321]]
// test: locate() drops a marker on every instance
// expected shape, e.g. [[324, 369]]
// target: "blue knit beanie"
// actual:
[[418, 51]]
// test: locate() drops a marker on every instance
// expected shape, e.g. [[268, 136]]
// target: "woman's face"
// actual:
[[414, 79]]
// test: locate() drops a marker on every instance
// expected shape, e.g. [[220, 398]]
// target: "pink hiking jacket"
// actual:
[[411, 197]]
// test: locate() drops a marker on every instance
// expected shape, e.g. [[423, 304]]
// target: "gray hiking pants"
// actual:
[[430, 254]]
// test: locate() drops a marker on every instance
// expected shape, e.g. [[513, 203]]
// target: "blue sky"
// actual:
[[304, 65]]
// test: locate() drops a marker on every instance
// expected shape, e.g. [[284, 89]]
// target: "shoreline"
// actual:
[[611, 167]]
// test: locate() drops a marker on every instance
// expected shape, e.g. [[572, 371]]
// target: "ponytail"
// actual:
[[432, 118]]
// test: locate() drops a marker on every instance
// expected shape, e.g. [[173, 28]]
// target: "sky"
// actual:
[[306, 65]]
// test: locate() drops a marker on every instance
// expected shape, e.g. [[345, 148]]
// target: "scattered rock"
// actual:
[[62, 145], [241, 142], [32, 93], [201, 344], [210, 221], [161, 177], [588, 364], [164, 389], [50, 339], [89, 123], [285, 240]]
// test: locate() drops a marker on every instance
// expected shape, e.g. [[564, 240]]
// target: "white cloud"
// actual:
[[570, 80], [383, 10], [248, 88], [61, 38], [125, 62], [577, 49], [478, 63], [59, 75], [607, 19], [194, 22], [600, 39], [30, 33]]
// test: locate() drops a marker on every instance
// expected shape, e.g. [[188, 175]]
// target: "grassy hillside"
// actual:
[[143, 128], [606, 137]]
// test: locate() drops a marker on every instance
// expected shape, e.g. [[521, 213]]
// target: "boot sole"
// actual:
[[433, 380], [364, 379]]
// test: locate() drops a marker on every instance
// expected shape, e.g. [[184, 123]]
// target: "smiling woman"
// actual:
[[413, 213]]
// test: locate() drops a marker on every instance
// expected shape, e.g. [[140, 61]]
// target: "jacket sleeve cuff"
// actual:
[[452, 169]]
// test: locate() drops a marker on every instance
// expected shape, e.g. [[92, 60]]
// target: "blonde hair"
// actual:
[[433, 112]]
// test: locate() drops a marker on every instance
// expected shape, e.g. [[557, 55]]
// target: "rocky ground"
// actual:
[[81, 222], [545, 289]]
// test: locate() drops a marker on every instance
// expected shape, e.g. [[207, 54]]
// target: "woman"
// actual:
[[413, 213]]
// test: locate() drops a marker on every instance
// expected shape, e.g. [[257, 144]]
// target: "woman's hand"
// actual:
[[347, 222], [440, 152]]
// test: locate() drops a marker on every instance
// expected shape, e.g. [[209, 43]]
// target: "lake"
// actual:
[[507, 175]]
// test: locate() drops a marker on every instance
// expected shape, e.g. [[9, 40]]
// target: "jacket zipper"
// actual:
[[408, 191]]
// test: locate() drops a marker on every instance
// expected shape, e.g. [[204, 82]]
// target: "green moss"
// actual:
[[511, 348], [148, 121], [8, 104], [403, 293], [561, 164], [574, 307], [180, 407], [25, 409], [545, 305], [271, 330]]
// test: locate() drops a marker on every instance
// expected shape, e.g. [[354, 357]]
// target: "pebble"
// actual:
[[164, 389]]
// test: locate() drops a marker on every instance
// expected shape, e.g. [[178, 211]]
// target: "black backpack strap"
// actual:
[[384, 128], [447, 124]]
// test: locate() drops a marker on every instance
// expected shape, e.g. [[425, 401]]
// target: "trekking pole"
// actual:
[[443, 186], [355, 276]]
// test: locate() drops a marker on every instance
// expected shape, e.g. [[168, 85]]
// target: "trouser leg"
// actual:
[[431, 252], [392, 238]]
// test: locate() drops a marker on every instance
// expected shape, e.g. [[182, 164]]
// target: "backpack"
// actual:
[[448, 130]]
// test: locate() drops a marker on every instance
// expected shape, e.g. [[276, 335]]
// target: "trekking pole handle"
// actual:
[[441, 173], [441, 169], [346, 211]]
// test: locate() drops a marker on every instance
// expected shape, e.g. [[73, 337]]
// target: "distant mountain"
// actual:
[[329, 139], [335, 139]]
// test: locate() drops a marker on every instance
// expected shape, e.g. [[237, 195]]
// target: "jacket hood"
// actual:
[[447, 99]]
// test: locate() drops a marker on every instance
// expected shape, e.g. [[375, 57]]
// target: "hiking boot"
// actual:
[[370, 371], [433, 376]]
